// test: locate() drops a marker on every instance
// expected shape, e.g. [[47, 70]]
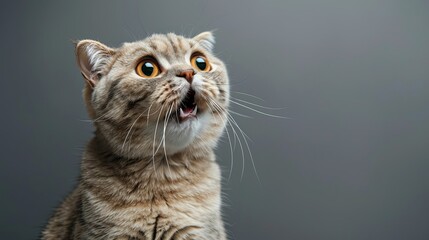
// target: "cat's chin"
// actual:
[[180, 133]]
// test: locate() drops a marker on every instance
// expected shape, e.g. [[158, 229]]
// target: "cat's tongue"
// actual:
[[187, 112]]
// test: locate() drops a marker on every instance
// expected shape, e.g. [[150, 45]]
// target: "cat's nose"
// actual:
[[187, 74]]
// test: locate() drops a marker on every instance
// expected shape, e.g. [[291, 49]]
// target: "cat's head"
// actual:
[[161, 95]]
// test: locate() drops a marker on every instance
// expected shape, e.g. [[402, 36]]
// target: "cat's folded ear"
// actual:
[[206, 40], [92, 58]]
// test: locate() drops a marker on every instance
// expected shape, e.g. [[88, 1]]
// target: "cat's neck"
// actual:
[[135, 180], [166, 167]]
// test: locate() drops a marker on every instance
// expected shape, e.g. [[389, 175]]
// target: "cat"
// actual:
[[159, 106]]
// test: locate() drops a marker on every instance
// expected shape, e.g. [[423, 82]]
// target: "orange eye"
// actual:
[[201, 63], [147, 68]]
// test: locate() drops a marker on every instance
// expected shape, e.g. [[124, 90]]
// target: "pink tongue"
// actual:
[[187, 110]]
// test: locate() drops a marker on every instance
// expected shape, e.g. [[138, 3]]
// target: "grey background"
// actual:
[[351, 162]]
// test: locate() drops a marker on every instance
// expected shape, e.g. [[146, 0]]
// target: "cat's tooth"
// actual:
[[194, 112], [182, 114]]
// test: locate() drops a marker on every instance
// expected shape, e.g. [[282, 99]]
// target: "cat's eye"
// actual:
[[148, 68], [200, 62]]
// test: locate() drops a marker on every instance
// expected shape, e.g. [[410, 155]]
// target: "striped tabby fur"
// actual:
[[145, 175]]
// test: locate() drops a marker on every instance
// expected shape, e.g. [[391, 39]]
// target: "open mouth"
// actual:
[[188, 108]]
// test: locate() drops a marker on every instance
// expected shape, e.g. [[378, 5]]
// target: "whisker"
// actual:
[[154, 139], [244, 135], [165, 126], [147, 122], [230, 145], [123, 144], [256, 105], [250, 95], [239, 114], [212, 101], [148, 111], [247, 145], [255, 110]]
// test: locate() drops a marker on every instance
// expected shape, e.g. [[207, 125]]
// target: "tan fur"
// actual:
[[138, 183]]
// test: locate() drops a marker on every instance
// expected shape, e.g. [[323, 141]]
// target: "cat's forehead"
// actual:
[[169, 47]]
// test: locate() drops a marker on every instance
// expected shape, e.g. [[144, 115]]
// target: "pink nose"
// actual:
[[187, 74]]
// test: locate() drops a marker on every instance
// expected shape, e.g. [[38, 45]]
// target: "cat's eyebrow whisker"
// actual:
[[255, 110]]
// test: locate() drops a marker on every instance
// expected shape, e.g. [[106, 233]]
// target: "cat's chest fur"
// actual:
[[136, 198]]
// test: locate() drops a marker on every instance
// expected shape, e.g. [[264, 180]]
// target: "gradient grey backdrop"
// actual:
[[352, 161]]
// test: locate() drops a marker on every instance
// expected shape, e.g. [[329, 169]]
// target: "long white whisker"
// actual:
[[236, 124], [165, 127], [247, 145], [132, 133], [239, 114], [148, 114], [242, 151], [266, 114], [230, 144], [128, 133], [212, 101], [148, 110], [254, 104], [232, 120], [250, 95], [154, 138]]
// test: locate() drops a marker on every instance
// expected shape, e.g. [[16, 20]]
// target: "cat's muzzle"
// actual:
[[188, 108]]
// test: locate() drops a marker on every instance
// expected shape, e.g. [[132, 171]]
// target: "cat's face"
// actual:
[[158, 96]]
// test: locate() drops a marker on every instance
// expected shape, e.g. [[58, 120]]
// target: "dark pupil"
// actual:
[[147, 68], [201, 63]]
